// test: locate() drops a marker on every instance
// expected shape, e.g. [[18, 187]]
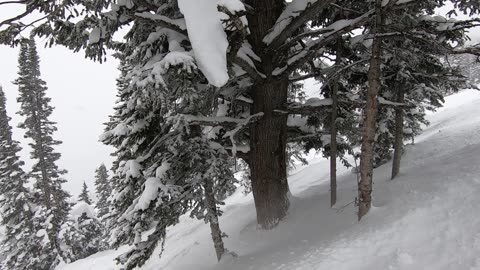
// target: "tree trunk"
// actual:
[[365, 186], [212, 213], [268, 135], [398, 144], [268, 155]]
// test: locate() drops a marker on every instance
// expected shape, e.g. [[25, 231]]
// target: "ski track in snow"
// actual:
[[427, 218]]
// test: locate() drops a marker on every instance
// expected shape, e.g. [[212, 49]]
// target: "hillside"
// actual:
[[425, 219]]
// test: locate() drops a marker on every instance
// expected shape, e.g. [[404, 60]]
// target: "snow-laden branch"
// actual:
[[314, 105], [163, 21], [245, 60], [475, 50], [296, 14], [214, 121], [338, 28], [234, 133]]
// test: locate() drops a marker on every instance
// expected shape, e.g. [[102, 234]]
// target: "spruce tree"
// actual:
[[83, 233], [103, 190], [36, 110], [270, 45], [84, 197], [183, 171], [16, 204]]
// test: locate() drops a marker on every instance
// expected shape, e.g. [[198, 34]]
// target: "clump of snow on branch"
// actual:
[[234, 6], [152, 187], [82, 208], [209, 40], [292, 10]]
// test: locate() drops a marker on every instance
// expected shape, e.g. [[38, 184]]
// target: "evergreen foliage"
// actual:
[[84, 197], [82, 233], [17, 206], [51, 199], [173, 131], [103, 190]]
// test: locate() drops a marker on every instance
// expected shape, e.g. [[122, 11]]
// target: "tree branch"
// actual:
[[14, 2], [308, 14], [475, 50], [312, 49], [162, 21], [251, 71]]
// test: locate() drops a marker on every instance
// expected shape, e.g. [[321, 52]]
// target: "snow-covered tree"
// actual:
[[165, 166], [190, 95], [103, 190], [82, 233], [17, 207], [84, 195], [36, 110], [407, 46]]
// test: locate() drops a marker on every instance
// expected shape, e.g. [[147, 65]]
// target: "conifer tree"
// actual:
[[83, 233], [36, 110], [84, 197], [269, 45], [103, 189], [183, 171], [16, 204]]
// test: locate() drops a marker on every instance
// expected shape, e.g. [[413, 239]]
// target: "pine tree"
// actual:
[[82, 233], [103, 189], [84, 197], [182, 172], [16, 204], [36, 110], [271, 45]]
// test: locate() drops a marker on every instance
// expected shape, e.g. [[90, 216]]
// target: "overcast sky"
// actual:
[[83, 93]]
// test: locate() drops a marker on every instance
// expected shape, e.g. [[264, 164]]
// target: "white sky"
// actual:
[[83, 93]]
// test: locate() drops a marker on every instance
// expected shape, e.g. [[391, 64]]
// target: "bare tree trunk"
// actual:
[[212, 213], [398, 144], [268, 135], [365, 185]]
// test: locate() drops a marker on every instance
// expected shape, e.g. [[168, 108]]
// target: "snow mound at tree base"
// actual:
[[427, 218]]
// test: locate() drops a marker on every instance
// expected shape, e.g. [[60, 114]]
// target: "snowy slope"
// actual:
[[425, 219]]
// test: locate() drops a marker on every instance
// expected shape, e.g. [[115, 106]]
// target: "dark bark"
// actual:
[[398, 144], [269, 134], [365, 186], [213, 220]]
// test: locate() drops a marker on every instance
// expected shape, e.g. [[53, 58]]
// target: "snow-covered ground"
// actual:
[[427, 218]]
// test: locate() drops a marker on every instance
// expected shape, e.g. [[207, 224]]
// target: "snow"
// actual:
[[149, 193], [80, 208], [232, 5], [292, 10], [209, 41], [152, 188], [132, 169], [427, 218]]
